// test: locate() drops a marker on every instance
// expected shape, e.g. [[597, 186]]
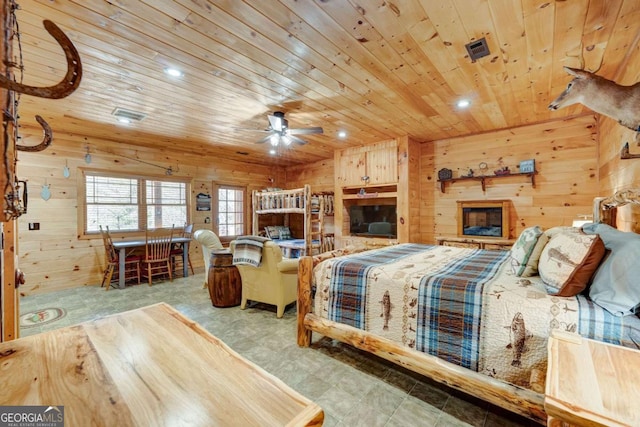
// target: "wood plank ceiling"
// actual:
[[374, 69]]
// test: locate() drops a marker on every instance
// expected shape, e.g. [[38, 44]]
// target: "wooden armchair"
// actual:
[[131, 262], [157, 258]]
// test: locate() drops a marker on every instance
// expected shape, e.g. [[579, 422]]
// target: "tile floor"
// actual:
[[360, 390]]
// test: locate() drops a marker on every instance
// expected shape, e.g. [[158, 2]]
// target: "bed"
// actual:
[[311, 207], [461, 316]]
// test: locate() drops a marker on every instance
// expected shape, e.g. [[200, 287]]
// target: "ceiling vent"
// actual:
[[477, 49], [121, 113]]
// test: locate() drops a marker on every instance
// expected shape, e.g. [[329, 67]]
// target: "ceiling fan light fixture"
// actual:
[[286, 140], [274, 140]]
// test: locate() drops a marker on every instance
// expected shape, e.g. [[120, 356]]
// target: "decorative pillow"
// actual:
[[526, 251], [561, 229], [272, 231], [285, 233], [569, 260], [615, 284]]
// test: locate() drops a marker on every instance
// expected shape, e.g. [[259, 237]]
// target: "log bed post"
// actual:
[[305, 268]]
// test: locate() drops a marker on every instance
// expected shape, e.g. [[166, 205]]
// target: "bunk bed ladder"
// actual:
[[316, 225]]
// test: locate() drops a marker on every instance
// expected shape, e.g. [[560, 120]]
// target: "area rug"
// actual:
[[41, 317]]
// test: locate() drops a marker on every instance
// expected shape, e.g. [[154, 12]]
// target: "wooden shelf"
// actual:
[[482, 179]]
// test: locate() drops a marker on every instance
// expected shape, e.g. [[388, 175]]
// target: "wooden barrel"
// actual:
[[225, 285]]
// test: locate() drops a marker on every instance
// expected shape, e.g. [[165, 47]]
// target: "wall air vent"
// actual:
[[477, 49], [134, 116]]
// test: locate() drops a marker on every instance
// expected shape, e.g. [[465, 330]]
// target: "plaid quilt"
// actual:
[[349, 280], [450, 301], [462, 305]]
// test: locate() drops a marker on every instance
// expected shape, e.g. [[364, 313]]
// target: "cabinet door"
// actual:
[[382, 166], [351, 169]]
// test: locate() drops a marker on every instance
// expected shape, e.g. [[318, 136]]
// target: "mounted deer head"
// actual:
[[603, 96]]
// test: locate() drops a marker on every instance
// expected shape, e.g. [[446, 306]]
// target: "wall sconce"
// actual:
[[365, 179]]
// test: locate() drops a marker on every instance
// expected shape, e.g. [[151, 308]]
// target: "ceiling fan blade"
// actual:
[[251, 130], [276, 123], [296, 139], [265, 139], [305, 131]]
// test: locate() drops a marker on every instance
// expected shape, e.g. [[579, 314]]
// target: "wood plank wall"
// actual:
[[615, 173], [320, 176], [54, 258], [565, 152]]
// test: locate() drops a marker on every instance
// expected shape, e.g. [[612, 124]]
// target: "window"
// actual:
[[230, 211], [132, 203]]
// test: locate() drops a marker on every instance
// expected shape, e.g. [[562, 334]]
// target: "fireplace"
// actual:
[[483, 218]]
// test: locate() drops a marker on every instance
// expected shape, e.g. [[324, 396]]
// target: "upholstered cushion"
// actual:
[[569, 260], [272, 231], [615, 284], [285, 233], [526, 251]]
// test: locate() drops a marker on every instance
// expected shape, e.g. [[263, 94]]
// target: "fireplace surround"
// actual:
[[483, 218]]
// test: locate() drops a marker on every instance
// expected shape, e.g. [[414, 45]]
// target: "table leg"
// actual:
[[121, 259], [185, 259]]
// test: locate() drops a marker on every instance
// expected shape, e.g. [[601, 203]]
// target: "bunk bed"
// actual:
[[392, 302], [294, 201]]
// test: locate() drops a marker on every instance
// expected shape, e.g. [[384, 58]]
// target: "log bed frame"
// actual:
[[522, 401]]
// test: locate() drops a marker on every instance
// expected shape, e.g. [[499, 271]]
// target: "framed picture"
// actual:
[[203, 202], [528, 166]]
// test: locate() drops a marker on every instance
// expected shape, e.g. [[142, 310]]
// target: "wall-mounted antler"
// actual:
[[46, 139], [71, 80]]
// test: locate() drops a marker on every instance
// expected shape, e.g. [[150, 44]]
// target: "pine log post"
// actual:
[[305, 268], [516, 399]]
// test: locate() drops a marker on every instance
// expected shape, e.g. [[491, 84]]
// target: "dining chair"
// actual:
[[176, 252], [131, 262], [157, 257]]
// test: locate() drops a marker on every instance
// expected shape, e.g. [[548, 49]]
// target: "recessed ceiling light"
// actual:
[[272, 152], [342, 134], [173, 72], [463, 103]]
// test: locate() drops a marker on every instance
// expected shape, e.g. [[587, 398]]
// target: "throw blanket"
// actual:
[[248, 250]]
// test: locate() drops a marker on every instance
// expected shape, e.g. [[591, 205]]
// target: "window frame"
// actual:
[[245, 206], [142, 199]]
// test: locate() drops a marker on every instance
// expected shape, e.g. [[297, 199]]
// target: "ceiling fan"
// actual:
[[280, 133]]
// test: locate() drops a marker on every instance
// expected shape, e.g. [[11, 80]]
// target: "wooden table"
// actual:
[[591, 383], [123, 245], [146, 367]]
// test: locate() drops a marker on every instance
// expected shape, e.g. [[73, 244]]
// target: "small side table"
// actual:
[[224, 282], [591, 383]]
